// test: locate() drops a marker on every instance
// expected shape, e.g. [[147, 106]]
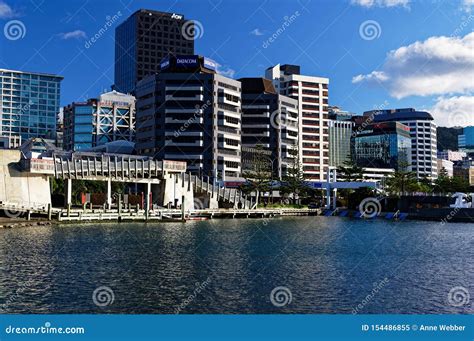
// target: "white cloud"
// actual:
[[256, 32], [225, 71], [436, 66], [77, 34], [467, 5], [373, 76], [381, 3], [6, 11], [454, 111]]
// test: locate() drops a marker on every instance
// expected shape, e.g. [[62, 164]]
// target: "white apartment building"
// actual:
[[312, 95]]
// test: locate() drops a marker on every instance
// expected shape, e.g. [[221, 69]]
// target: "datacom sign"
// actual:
[[187, 61]]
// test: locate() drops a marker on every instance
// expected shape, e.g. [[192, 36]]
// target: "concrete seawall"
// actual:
[[21, 188]]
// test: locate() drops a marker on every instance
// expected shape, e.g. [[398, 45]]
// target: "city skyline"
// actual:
[[80, 37]]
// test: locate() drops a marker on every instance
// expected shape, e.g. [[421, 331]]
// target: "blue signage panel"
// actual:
[[165, 63], [237, 327], [210, 64]]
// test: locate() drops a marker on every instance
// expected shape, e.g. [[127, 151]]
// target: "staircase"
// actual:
[[231, 195]]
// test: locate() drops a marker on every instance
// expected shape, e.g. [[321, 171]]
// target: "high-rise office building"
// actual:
[[383, 145], [340, 136], [312, 95], [29, 104], [111, 117], [269, 120], [423, 137], [143, 40], [188, 112]]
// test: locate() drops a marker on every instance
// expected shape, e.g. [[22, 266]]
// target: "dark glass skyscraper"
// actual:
[[383, 145], [143, 40]]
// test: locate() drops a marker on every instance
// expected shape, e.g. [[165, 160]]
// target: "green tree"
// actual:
[[350, 171], [401, 181], [443, 183], [294, 181], [259, 174], [459, 184]]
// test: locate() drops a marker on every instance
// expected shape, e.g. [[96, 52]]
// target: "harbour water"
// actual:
[[321, 264]]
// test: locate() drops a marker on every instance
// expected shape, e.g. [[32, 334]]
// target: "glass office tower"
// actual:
[[29, 104], [383, 145]]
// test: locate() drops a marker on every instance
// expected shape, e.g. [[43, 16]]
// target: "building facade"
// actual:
[[312, 95], [383, 145], [111, 117], [466, 139], [451, 155], [447, 165], [29, 104], [423, 137], [270, 120], [188, 112], [340, 136], [143, 40]]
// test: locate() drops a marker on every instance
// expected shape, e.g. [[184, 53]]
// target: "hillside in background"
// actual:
[[448, 138]]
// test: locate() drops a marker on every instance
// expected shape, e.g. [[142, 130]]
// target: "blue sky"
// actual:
[[376, 53]]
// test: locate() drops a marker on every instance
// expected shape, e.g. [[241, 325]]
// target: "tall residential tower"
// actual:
[[312, 95]]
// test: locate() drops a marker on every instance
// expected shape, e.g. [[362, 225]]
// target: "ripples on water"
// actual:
[[330, 265]]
